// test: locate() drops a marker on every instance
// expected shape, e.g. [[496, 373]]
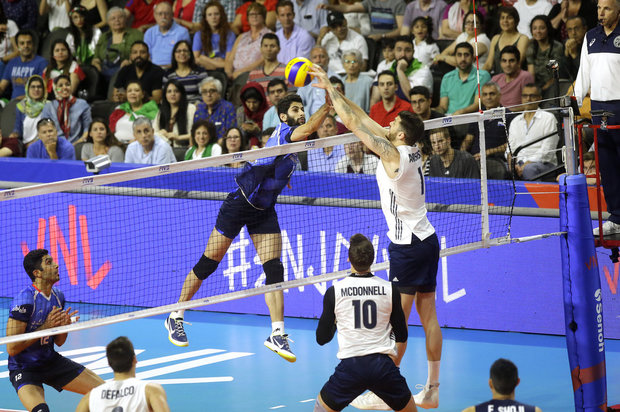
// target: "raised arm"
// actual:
[[311, 125]]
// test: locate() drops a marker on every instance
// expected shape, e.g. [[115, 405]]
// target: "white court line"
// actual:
[[191, 364], [308, 400], [192, 380], [278, 407]]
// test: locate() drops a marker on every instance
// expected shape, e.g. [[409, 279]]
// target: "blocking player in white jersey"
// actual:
[[414, 248], [370, 320], [125, 393]]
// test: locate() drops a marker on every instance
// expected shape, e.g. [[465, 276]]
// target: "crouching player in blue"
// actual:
[[35, 362], [252, 205], [370, 320]]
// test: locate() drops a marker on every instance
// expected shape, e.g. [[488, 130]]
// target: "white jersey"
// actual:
[[363, 306], [119, 396], [403, 199]]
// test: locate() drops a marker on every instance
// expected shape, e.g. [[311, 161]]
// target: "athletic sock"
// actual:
[[177, 314], [433, 372], [277, 328]]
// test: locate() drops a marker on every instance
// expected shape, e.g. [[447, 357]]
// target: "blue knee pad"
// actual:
[[205, 267], [274, 272], [42, 407]]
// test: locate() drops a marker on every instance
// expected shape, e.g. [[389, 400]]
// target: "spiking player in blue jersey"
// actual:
[[35, 362], [252, 205]]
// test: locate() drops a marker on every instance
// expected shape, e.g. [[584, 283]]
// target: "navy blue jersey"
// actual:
[[32, 307], [504, 405], [262, 180]]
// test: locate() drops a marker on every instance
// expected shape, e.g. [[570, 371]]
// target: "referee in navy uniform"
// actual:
[[600, 73]]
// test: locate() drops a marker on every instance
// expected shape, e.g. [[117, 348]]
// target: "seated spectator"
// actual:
[[83, 37], [423, 8], [70, 114], [57, 13], [114, 46], [459, 88], [356, 160], [148, 148], [508, 36], [214, 108], [20, 68], [495, 132], [512, 79], [452, 19], [447, 55], [22, 12], [387, 51], [96, 15], [123, 117], [142, 70], [8, 45], [503, 380], [543, 48], [533, 124], [230, 7], [234, 141], [406, 66], [48, 144], [30, 111], [215, 40], [561, 12], [271, 68], [245, 55], [62, 62], [448, 162], [162, 37], [203, 141], [386, 16], [276, 90], [325, 159], [527, 10], [141, 13], [264, 137], [388, 108], [339, 38], [242, 22], [420, 98], [356, 84], [425, 48], [250, 114], [295, 41], [185, 70], [576, 31], [175, 117], [101, 141]]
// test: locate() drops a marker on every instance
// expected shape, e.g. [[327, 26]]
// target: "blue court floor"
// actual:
[[227, 368]]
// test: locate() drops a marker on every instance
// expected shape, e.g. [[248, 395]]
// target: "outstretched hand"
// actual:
[[321, 76]]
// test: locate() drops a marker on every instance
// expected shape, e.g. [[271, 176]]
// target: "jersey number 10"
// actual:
[[365, 313]]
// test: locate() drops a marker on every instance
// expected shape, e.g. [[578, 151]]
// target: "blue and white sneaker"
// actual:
[[279, 344], [176, 333]]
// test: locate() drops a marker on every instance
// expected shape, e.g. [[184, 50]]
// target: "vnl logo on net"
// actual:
[[446, 120]]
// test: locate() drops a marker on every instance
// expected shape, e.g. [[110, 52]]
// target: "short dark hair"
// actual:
[[505, 376], [361, 252], [140, 42], [578, 17], [388, 42], [44, 121], [407, 39], [33, 260], [423, 90], [465, 45], [286, 102], [511, 11], [533, 86], [388, 73], [510, 49], [275, 82], [285, 3], [120, 354], [24, 32], [412, 126], [270, 36], [336, 80]]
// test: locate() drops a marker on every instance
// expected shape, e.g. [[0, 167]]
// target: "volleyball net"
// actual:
[[125, 241]]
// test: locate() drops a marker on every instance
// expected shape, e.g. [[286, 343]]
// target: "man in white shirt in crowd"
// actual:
[[338, 39], [295, 41], [148, 148]]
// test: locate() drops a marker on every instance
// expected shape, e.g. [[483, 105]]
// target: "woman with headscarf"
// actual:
[[250, 113], [70, 114]]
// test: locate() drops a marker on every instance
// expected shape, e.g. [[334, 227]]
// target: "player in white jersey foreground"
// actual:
[[414, 248], [124, 393], [366, 309]]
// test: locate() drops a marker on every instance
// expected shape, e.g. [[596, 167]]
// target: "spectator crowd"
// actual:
[[157, 82]]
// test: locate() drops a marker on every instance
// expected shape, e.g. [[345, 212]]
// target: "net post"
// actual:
[[568, 121], [484, 193]]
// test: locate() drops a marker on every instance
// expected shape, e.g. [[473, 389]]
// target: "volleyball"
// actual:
[[296, 71]]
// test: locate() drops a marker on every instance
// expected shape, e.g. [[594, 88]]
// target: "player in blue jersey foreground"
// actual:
[[367, 312], [503, 382], [35, 362], [252, 205]]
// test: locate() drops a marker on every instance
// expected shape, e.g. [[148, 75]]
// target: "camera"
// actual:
[[97, 164]]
